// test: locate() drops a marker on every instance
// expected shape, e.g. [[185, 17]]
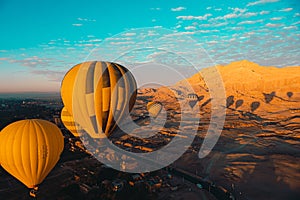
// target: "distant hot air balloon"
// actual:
[[68, 121], [29, 149], [192, 99], [98, 95], [154, 108]]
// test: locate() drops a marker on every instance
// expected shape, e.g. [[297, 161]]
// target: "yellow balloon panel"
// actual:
[[154, 108], [68, 121], [67, 86], [29, 149]]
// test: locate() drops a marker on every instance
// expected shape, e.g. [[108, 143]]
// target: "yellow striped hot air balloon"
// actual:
[[154, 108], [192, 99], [68, 121], [29, 149], [98, 95]]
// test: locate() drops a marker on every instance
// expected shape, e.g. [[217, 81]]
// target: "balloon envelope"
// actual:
[[29, 149], [98, 95], [154, 108], [68, 121], [192, 99]]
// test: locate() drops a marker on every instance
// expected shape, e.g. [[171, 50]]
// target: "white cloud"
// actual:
[[34, 61], [129, 34], [208, 8], [118, 39], [95, 40], [212, 42], [214, 24], [249, 22], [240, 10], [86, 19], [190, 17], [273, 25], [261, 2], [230, 16], [218, 9], [178, 26], [298, 22], [220, 24], [290, 27], [208, 31], [250, 14], [264, 12], [76, 24], [152, 33], [286, 9], [190, 28], [178, 9], [276, 18], [118, 43]]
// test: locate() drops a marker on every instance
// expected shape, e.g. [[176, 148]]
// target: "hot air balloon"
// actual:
[[68, 121], [29, 149], [98, 95], [192, 99], [154, 108]]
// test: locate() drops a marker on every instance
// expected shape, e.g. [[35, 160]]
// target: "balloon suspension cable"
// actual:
[[33, 192]]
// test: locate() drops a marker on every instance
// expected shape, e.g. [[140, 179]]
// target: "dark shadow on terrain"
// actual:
[[269, 97], [254, 105], [289, 94], [229, 101], [239, 103]]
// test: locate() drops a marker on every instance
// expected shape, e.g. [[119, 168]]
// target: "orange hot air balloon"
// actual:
[[29, 149], [68, 121], [98, 95]]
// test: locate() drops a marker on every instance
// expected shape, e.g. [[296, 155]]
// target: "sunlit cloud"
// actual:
[[190, 28], [249, 22], [178, 9], [273, 25], [264, 12], [276, 18], [286, 9], [261, 2], [190, 17], [129, 34], [290, 27], [250, 14]]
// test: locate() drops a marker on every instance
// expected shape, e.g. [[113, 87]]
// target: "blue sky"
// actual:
[[41, 40]]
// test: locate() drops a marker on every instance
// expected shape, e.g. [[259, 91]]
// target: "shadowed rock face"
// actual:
[[258, 153]]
